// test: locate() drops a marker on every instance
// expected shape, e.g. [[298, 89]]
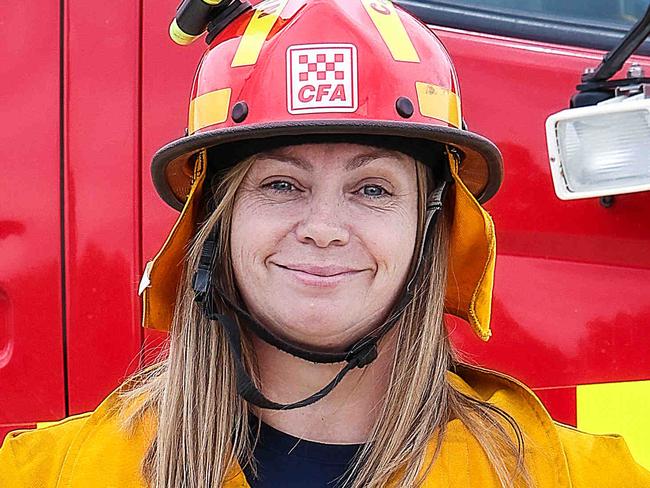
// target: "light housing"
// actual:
[[601, 150]]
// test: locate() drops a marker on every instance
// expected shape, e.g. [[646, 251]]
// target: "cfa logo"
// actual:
[[322, 78]]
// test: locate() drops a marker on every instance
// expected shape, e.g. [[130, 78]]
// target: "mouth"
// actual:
[[318, 275]]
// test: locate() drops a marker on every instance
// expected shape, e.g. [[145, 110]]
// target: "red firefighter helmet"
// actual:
[[338, 67]]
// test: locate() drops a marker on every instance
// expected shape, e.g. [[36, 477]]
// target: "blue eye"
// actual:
[[373, 191], [281, 186]]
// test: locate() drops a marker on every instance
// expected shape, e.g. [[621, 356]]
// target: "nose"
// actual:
[[324, 224]]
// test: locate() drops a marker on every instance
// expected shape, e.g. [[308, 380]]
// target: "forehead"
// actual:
[[347, 156]]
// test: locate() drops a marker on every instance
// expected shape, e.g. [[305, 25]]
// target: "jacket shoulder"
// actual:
[[600, 460], [34, 457], [94, 449], [558, 454]]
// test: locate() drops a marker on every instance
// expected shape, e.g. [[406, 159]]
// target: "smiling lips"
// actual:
[[321, 276]]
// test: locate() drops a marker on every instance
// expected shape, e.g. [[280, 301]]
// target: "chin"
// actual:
[[319, 328]]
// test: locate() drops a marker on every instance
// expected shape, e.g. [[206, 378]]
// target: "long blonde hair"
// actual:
[[203, 425]]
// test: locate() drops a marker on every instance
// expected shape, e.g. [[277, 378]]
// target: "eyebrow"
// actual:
[[285, 158], [363, 159], [355, 163]]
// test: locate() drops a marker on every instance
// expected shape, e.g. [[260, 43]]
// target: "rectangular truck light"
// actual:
[[600, 150]]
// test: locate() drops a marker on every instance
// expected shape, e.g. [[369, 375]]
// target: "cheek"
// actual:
[[391, 238], [256, 232]]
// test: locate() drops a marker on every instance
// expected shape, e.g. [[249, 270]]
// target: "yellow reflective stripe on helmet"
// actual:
[[617, 408], [391, 29], [439, 103], [209, 109], [257, 31]]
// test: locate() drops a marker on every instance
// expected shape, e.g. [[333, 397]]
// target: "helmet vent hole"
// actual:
[[239, 112], [404, 107]]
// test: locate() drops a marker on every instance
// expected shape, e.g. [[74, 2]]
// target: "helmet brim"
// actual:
[[481, 168]]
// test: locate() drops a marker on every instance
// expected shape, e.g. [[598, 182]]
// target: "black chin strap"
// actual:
[[362, 353]]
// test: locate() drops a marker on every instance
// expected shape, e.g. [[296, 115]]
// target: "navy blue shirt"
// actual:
[[288, 462]]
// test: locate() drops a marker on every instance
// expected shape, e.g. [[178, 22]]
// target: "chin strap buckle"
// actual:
[[202, 279], [362, 353]]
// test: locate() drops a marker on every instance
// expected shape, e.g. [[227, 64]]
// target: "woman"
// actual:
[[330, 214]]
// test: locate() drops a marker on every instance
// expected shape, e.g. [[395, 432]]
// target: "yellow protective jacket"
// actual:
[[91, 451]]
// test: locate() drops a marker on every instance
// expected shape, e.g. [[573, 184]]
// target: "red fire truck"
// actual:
[[91, 89]]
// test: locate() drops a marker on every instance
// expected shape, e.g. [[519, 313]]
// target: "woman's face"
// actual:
[[322, 239]]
